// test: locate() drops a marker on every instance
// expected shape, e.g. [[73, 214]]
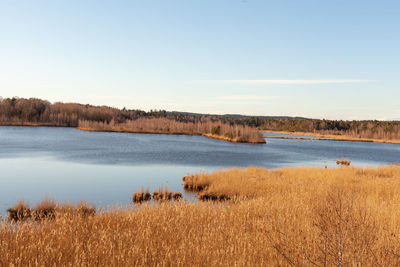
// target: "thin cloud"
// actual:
[[263, 82], [246, 97]]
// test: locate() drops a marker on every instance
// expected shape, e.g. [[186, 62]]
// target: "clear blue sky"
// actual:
[[321, 59]]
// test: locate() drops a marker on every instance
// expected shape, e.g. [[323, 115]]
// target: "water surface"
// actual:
[[106, 168]]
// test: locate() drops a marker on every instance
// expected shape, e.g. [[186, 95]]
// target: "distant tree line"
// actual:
[[37, 112], [362, 129], [33, 111]]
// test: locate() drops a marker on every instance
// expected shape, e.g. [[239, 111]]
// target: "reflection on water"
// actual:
[[106, 168], [33, 179]]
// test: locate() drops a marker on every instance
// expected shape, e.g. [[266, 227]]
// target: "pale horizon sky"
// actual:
[[316, 59]]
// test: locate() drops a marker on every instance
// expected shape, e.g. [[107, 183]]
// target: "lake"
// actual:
[[106, 168]]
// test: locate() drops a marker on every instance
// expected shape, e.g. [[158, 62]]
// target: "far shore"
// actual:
[[328, 137]]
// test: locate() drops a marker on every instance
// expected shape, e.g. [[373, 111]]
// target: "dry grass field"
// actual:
[[286, 217]]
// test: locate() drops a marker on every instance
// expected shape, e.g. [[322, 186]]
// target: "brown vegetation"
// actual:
[[332, 137], [367, 131], [19, 212], [141, 196], [194, 183], [321, 217], [343, 162], [165, 195], [159, 195], [301, 216], [206, 127], [47, 209]]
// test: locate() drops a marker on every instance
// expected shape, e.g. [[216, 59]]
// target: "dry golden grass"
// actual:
[[302, 216], [344, 216]]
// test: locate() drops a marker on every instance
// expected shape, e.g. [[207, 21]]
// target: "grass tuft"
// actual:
[[343, 162]]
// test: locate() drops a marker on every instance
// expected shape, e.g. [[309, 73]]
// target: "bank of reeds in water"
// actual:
[[285, 217], [195, 183], [19, 212], [199, 183], [47, 209], [214, 129], [164, 194], [343, 162], [141, 196]]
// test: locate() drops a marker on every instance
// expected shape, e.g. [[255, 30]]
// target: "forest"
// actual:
[[34, 111]]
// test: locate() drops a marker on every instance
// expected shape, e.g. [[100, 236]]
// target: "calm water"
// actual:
[[106, 168]]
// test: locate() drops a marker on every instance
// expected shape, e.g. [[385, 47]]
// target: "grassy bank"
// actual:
[[359, 129], [304, 216], [333, 137], [207, 128]]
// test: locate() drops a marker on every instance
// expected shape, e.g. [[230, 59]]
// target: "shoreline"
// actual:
[[212, 136], [328, 137]]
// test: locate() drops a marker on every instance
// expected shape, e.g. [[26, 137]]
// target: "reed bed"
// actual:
[[158, 195], [196, 183], [141, 196], [163, 194], [47, 209], [260, 182], [214, 129], [343, 162], [286, 217]]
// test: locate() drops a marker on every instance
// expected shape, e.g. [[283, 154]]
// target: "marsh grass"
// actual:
[[216, 197], [196, 183], [85, 210], [44, 210], [286, 217], [207, 127], [141, 196], [164, 194], [19, 212], [343, 162], [48, 209]]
